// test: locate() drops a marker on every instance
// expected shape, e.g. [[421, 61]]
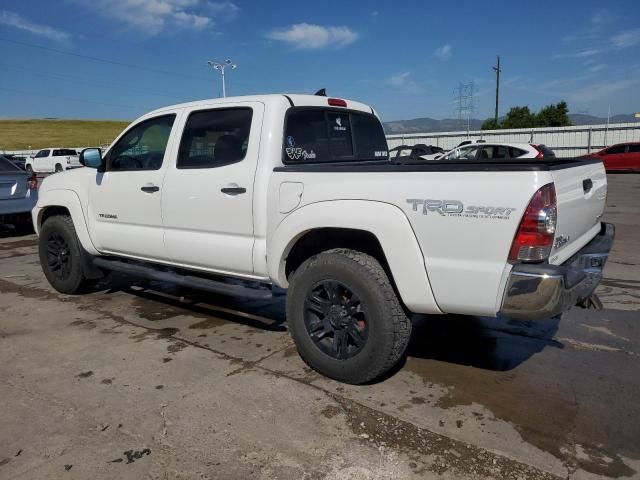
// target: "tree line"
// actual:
[[521, 117]]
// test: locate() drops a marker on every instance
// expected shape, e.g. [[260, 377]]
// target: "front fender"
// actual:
[[69, 200], [387, 222]]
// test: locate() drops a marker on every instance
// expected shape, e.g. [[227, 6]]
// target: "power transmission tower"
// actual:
[[497, 69], [464, 102]]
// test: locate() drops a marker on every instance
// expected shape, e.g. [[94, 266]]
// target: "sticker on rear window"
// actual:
[[338, 126], [381, 153]]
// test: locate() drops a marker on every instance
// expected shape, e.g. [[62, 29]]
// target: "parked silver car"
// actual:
[[18, 195]]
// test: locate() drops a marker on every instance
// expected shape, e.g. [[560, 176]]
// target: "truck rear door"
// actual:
[[207, 205], [581, 191]]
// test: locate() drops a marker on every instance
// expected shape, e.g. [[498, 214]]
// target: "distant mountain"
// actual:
[[420, 125]]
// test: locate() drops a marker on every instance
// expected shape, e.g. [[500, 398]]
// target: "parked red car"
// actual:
[[623, 157]]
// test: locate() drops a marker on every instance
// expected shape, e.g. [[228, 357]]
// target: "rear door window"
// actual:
[[634, 148], [494, 152], [516, 152], [214, 138], [325, 135]]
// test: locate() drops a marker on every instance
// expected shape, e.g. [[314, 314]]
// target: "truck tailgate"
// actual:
[[581, 192]]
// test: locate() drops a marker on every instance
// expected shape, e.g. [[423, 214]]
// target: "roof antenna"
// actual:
[[321, 93]]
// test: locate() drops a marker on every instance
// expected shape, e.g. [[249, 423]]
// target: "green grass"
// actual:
[[36, 134]]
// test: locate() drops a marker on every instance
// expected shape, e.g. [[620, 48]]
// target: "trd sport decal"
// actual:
[[455, 208]]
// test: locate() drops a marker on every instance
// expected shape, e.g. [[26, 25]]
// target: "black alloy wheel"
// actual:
[[335, 320], [58, 256]]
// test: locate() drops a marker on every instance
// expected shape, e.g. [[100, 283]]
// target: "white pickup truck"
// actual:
[[298, 191], [53, 160]]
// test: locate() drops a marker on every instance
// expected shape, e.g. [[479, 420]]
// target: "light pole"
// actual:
[[221, 67]]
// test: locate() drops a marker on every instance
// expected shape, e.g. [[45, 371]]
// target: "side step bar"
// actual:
[[198, 283]]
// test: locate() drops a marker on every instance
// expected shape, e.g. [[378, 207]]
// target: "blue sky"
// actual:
[[403, 57]]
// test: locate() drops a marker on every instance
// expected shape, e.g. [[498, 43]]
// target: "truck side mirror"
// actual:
[[91, 157]]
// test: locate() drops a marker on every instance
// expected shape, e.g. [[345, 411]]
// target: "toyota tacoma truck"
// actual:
[[234, 196]]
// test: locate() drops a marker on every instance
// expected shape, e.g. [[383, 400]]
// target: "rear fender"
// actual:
[[389, 225]]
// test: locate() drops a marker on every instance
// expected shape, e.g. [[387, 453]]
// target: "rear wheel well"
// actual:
[[52, 211], [322, 239]]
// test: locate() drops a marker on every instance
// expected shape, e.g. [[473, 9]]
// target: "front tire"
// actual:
[[61, 255], [345, 317], [58, 168]]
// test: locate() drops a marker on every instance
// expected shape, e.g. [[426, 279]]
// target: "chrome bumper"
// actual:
[[538, 291]]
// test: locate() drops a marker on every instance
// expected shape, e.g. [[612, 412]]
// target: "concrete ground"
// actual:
[[140, 380]]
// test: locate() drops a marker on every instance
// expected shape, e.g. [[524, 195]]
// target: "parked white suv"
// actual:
[[298, 191], [498, 151], [53, 160]]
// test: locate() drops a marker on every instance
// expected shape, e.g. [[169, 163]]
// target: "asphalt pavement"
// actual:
[[143, 380]]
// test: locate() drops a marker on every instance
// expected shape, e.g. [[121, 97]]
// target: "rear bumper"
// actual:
[[539, 291]]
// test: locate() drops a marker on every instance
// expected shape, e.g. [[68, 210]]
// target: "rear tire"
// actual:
[[363, 316], [61, 255], [29, 169], [58, 168]]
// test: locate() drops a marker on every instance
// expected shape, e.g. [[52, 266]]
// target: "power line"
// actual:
[[81, 81], [103, 60]]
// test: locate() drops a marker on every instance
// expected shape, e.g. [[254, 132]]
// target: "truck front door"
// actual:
[[41, 161], [125, 200], [207, 205]]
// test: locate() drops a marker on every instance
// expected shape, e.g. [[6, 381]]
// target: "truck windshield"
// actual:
[[314, 135]]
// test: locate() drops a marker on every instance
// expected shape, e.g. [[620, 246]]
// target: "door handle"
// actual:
[[233, 190], [149, 188], [587, 185]]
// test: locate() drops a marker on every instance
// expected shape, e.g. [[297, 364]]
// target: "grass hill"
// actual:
[[36, 134]]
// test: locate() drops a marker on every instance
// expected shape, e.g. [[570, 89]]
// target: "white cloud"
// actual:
[[599, 91], [587, 52], [14, 20], [596, 68], [602, 18], [444, 52], [154, 16], [629, 38], [399, 79], [404, 82], [223, 11], [305, 36]]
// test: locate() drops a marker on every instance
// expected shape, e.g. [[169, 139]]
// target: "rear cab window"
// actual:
[[319, 134]]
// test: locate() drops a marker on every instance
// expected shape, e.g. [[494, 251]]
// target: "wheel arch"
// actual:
[[380, 229], [64, 202]]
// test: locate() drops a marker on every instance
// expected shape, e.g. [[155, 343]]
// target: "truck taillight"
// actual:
[[534, 238], [32, 183]]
